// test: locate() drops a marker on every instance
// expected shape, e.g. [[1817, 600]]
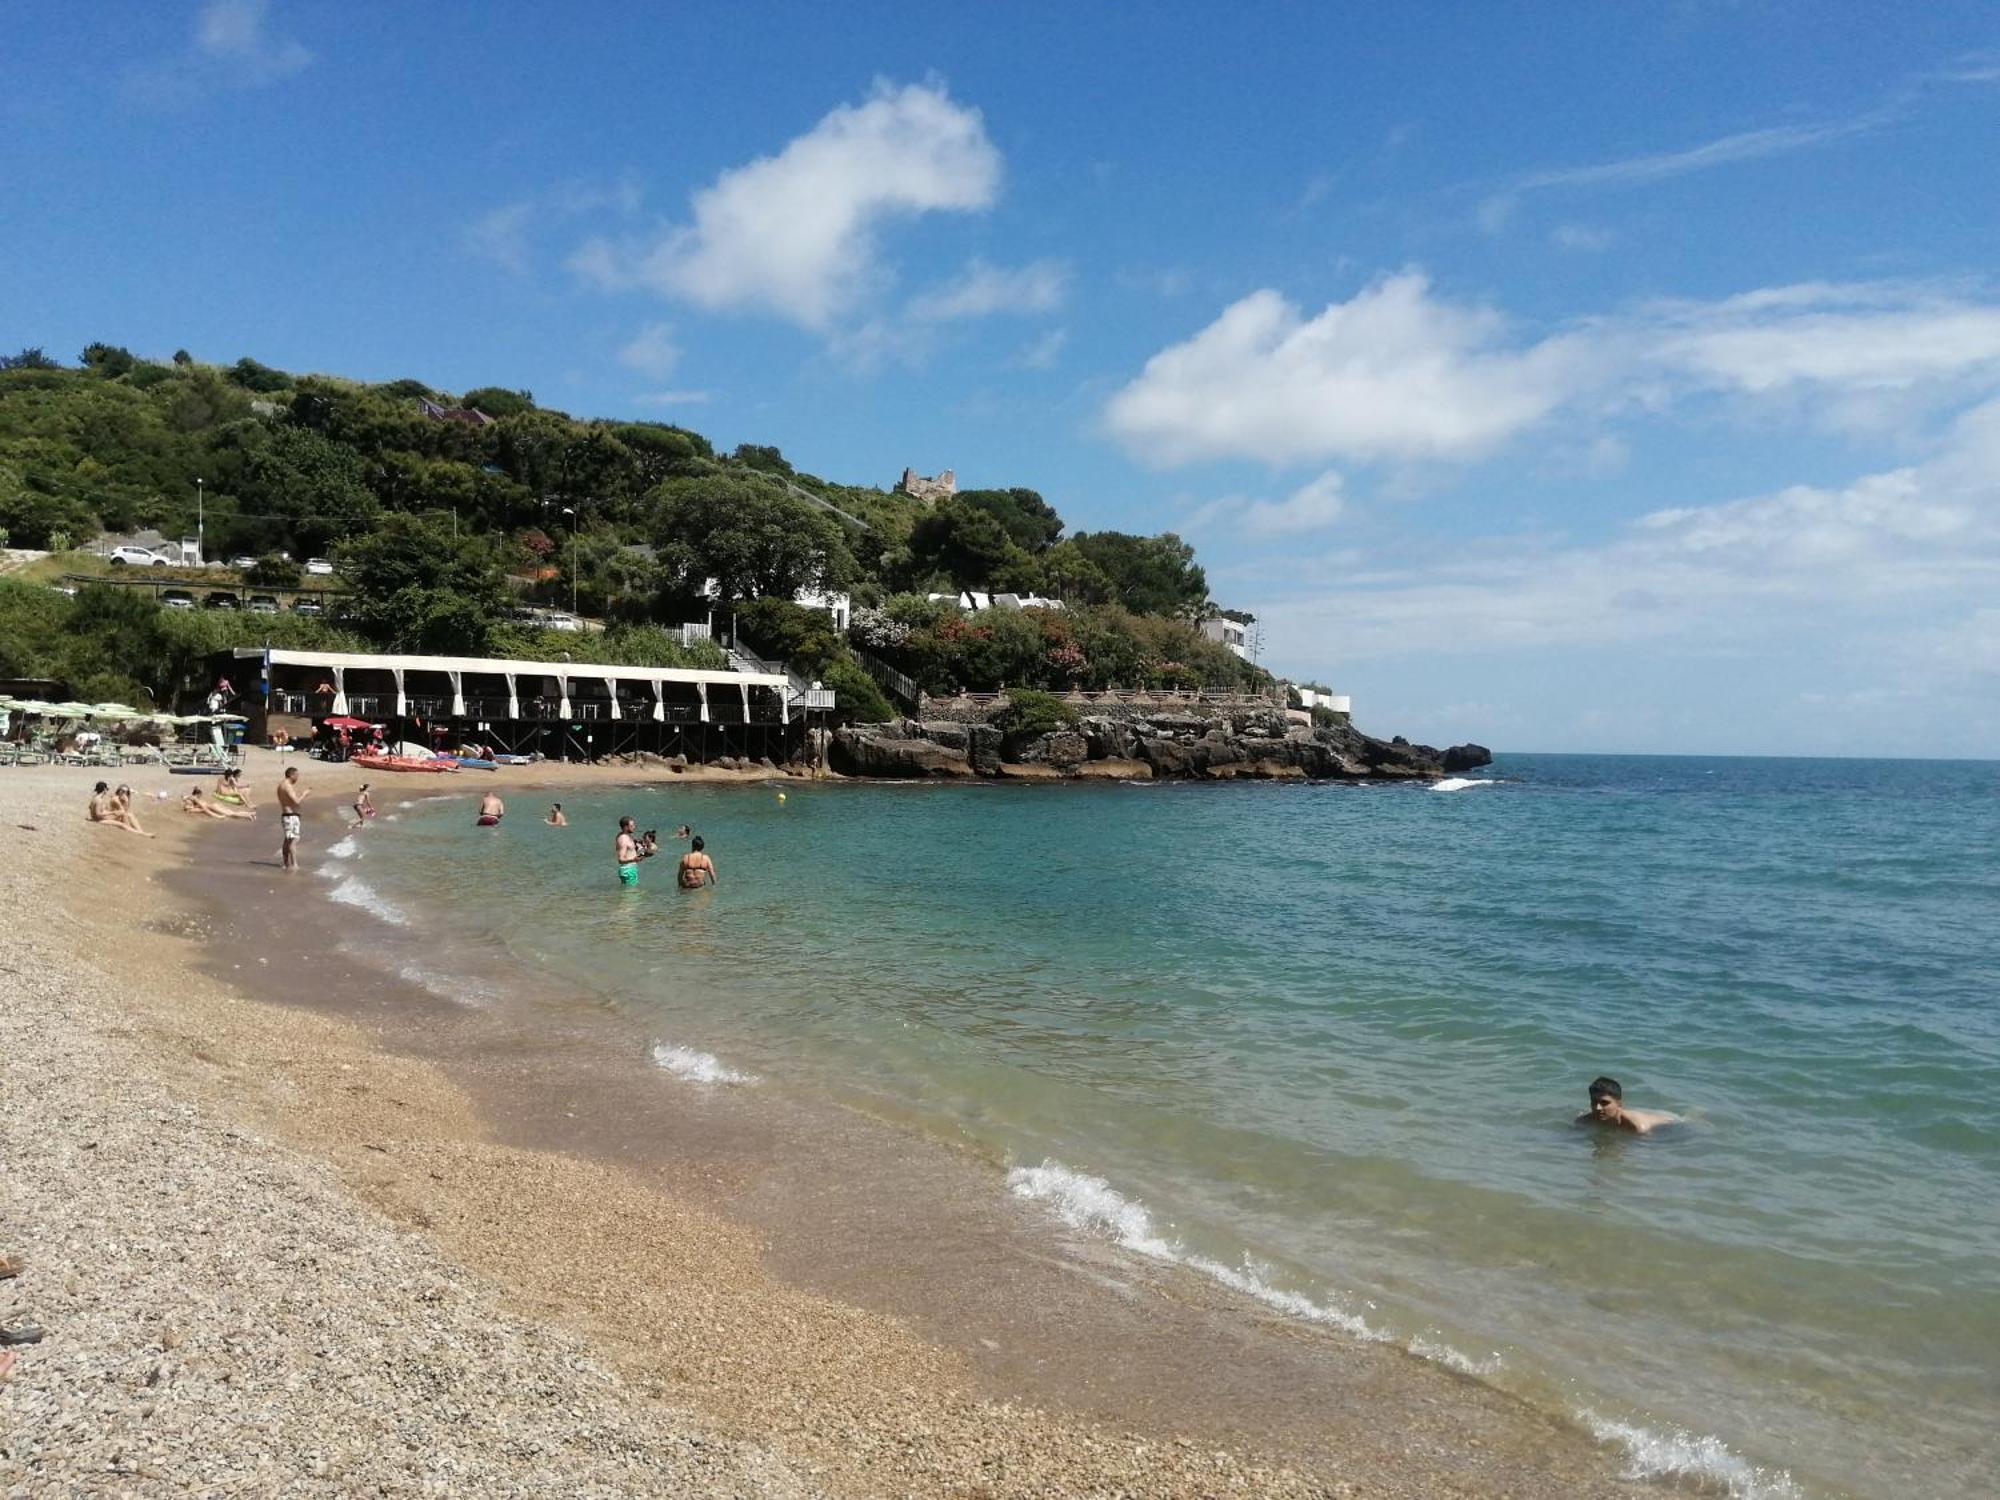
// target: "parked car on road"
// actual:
[[221, 599], [307, 607], [177, 599], [319, 566], [136, 557], [242, 562], [262, 604]]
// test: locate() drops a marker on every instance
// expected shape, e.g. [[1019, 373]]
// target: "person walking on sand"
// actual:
[[1607, 1108], [626, 851], [291, 796], [696, 869], [491, 809], [555, 819]]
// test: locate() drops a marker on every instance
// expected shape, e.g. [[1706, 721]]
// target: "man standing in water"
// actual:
[[491, 807], [697, 869], [625, 850], [1607, 1107], [290, 795]]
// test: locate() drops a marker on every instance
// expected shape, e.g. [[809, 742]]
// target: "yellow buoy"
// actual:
[[781, 796]]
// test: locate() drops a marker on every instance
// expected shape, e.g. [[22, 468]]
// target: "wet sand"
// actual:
[[868, 1302]]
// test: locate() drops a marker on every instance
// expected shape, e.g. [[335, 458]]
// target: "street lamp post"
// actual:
[[200, 523], [570, 511]]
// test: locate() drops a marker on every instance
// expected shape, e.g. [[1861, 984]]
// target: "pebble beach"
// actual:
[[271, 1258]]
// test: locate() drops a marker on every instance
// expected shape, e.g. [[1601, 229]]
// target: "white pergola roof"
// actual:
[[502, 667]]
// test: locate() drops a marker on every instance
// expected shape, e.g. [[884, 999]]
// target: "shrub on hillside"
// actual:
[[1029, 711]]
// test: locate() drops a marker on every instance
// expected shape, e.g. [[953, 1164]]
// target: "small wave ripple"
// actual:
[[696, 1066]]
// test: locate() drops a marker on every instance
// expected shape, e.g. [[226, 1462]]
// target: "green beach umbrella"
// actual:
[[71, 710], [116, 711], [34, 706]]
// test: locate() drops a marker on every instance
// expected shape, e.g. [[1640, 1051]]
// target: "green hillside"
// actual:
[[447, 512]]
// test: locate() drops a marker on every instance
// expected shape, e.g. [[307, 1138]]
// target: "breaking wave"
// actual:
[[1673, 1454], [697, 1067], [354, 891], [1092, 1204]]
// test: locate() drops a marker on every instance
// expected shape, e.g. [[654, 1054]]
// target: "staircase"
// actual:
[[800, 693]]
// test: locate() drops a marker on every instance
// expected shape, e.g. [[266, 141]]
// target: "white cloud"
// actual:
[[1583, 238], [651, 351], [1393, 373], [1867, 571], [1398, 374], [983, 290], [673, 398], [235, 34], [1313, 506], [1857, 338], [501, 236], [796, 234], [1042, 352]]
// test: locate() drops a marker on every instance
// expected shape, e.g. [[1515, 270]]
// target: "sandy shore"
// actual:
[[281, 1251]]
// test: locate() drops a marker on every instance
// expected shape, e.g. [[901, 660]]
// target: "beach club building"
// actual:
[[560, 710]]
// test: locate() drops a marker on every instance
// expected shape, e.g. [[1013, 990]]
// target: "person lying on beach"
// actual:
[[194, 802], [555, 819], [697, 869], [118, 813], [1607, 1107]]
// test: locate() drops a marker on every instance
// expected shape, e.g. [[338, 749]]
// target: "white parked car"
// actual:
[[240, 563], [556, 619], [137, 557], [319, 566]]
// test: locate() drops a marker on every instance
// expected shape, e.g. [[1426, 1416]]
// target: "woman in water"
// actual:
[[364, 806], [555, 819], [697, 869]]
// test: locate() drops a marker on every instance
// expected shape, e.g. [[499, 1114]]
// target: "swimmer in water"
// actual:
[[697, 869], [555, 819], [1607, 1107]]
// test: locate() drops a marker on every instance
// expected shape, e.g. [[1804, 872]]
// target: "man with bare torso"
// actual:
[[626, 851], [1607, 1108], [291, 796], [490, 806]]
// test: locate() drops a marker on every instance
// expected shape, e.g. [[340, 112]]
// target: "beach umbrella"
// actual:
[[229, 718], [71, 710], [116, 711], [34, 706]]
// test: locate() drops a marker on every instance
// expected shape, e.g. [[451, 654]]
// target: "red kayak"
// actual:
[[402, 763]]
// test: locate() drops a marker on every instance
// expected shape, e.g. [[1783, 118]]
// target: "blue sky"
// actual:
[[1593, 378]]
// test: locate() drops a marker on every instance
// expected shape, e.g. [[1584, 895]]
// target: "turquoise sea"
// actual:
[[1325, 1044]]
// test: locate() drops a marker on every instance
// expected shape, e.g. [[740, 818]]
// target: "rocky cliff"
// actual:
[[1139, 745]]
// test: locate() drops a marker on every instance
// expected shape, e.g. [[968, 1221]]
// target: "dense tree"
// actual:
[[497, 401], [1149, 575], [315, 486], [1029, 520], [748, 535], [253, 376], [108, 360], [28, 359], [963, 542], [413, 586], [762, 458]]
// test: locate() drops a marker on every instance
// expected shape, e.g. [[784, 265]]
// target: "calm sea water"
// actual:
[[1325, 1043]]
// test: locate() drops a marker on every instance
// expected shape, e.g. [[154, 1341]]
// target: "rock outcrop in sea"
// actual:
[[1187, 743]]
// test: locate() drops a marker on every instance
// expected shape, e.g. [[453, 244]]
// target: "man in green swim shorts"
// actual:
[[625, 849]]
